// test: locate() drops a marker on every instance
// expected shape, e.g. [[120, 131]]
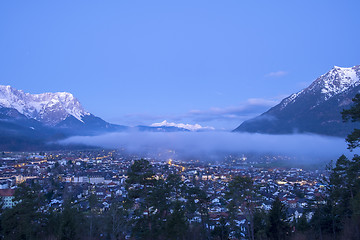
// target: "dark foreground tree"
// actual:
[[336, 211], [241, 195], [70, 220], [353, 115], [278, 227], [24, 221]]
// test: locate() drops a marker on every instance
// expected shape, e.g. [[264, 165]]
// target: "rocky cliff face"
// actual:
[[48, 108]]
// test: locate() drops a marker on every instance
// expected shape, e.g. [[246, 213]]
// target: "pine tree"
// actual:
[[353, 114], [278, 227], [241, 196]]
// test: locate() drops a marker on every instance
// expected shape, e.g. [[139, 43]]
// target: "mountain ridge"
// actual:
[[48, 108], [31, 121], [315, 109]]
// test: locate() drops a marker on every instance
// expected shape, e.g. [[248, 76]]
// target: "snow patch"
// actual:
[[290, 99], [195, 127], [336, 81], [49, 108]]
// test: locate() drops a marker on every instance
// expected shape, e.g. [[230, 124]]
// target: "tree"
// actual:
[[116, 220], [277, 227], [93, 201], [140, 179], [351, 229], [337, 213], [302, 224], [24, 221], [342, 189], [353, 115], [146, 199], [351, 170], [221, 231], [260, 220], [197, 202], [69, 223], [176, 224], [241, 196]]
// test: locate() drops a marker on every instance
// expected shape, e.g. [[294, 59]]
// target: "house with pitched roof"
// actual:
[[7, 197]]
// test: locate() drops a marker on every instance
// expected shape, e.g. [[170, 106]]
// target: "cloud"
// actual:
[[205, 144], [245, 110], [229, 117], [135, 119], [276, 74]]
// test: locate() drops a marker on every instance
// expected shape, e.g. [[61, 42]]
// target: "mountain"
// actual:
[[170, 126], [28, 119], [21, 133], [48, 108], [143, 128], [315, 109]]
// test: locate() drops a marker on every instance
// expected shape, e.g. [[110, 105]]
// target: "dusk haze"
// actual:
[[179, 120]]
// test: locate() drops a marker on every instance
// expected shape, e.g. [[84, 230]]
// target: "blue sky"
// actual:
[[215, 63]]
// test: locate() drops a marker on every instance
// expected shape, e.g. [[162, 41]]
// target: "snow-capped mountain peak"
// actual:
[[335, 81], [315, 109], [195, 127], [49, 108]]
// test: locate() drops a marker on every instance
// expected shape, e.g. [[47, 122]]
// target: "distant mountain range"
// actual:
[[315, 109], [28, 121]]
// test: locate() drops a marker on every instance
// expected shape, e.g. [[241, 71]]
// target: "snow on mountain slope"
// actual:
[[195, 127], [48, 108], [315, 109], [336, 81]]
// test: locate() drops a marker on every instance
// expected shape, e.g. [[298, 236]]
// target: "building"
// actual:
[[7, 197]]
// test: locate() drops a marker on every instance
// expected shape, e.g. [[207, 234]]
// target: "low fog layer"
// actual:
[[209, 143]]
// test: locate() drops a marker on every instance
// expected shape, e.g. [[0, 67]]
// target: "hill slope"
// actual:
[[315, 109]]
